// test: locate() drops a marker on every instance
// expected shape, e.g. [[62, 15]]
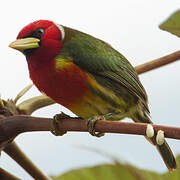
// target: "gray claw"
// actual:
[[90, 124], [54, 124]]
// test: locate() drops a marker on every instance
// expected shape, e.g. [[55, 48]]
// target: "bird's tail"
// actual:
[[164, 149]]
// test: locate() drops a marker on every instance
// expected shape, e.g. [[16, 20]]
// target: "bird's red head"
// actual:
[[41, 39]]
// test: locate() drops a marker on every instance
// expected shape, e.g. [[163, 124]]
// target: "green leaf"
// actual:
[[172, 24], [104, 172], [117, 172], [109, 172]]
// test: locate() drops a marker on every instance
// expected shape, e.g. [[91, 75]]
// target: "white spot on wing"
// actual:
[[62, 31]]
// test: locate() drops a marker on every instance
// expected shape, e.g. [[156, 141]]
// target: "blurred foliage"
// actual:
[[118, 171], [172, 24]]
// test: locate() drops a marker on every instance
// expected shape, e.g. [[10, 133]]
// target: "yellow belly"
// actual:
[[98, 101]]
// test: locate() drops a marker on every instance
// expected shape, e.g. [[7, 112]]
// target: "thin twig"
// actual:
[[22, 92], [158, 62]]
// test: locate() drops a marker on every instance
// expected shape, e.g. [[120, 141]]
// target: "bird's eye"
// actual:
[[38, 33]]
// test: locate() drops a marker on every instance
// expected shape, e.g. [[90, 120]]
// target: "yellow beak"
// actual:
[[25, 43]]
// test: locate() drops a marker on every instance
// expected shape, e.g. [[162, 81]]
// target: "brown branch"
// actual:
[[4, 175], [158, 62], [15, 153], [12, 149], [14, 125]]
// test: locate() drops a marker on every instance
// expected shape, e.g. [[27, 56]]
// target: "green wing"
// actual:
[[106, 64]]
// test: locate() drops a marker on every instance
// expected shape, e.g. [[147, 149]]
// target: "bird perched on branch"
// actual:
[[86, 75]]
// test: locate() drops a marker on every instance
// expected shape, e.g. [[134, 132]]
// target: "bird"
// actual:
[[86, 75]]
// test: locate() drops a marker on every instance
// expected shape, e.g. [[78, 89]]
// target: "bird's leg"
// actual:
[[54, 126], [92, 121]]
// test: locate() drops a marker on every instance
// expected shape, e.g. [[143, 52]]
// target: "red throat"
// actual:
[[65, 86]]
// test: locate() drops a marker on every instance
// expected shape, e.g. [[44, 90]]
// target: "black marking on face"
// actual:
[[37, 33]]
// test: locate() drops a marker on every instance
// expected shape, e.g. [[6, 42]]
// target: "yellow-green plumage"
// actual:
[[111, 78], [113, 85]]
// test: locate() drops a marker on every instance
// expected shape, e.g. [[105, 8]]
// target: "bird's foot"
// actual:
[[91, 123], [54, 125]]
